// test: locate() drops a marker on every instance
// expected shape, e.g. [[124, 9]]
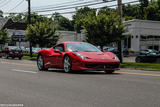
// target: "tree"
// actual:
[[17, 17], [4, 38], [145, 10], [143, 5], [1, 13], [63, 23], [131, 11], [42, 34], [153, 11], [24, 18], [103, 28], [79, 16]]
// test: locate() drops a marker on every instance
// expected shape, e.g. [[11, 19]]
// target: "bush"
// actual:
[[28, 54], [130, 51]]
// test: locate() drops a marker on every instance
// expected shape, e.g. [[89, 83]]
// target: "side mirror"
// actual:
[[57, 51], [104, 51]]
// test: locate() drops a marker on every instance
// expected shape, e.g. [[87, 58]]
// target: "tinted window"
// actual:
[[60, 47], [84, 47]]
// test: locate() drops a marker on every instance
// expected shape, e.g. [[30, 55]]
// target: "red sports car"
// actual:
[[72, 56]]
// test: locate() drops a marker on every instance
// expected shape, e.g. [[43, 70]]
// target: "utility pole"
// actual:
[[119, 2], [29, 22]]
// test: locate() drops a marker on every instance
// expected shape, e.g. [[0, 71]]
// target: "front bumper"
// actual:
[[96, 65]]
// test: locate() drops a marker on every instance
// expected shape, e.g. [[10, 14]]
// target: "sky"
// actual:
[[9, 6]]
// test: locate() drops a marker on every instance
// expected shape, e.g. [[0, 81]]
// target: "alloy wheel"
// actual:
[[40, 62], [67, 64]]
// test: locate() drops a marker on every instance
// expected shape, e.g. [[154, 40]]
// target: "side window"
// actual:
[[60, 47]]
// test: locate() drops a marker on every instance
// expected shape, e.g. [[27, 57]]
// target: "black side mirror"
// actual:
[[104, 51]]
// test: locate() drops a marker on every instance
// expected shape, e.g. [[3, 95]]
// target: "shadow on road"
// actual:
[[84, 72]]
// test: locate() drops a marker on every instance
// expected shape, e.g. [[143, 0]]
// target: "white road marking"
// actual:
[[24, 71], [5, 62]]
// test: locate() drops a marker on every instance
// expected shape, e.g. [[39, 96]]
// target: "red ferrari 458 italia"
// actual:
[[76, 56]]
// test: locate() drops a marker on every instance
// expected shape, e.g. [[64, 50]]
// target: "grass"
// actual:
[[144, 66], [29, 58]]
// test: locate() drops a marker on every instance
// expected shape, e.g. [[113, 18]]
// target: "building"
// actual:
[[69, 36], [16, 30], [145, 34]]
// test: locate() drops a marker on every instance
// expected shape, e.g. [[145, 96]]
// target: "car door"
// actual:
[[57, 58]]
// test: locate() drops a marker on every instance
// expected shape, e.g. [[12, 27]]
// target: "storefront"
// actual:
[[145, 34]]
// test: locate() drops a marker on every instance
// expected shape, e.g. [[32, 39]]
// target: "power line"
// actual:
[[73, 6], [17, 5], [2, 1], [58, 4], [137, 1], [5, 3]]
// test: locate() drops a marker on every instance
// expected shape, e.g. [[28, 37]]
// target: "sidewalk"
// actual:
[[129, 59]]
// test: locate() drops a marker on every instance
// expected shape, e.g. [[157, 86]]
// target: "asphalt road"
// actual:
[[22, 83]]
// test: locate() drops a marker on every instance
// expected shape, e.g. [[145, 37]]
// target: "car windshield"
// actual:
[[83, 47]]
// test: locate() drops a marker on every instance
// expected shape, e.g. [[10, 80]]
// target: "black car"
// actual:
[[148, 52], [115, 50], [111, 49], [148, 59], [148, 56]]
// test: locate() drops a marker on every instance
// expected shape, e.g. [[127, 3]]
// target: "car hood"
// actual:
[[95, 55]]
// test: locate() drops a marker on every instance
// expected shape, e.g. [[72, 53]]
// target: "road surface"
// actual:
[[22, 83]]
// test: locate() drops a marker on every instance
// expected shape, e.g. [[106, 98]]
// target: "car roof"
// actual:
[[70, 42]]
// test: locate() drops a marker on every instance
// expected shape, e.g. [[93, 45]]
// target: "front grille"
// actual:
[[102, 66]]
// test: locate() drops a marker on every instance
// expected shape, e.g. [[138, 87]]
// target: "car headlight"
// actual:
[[115, 57], [77, 54]]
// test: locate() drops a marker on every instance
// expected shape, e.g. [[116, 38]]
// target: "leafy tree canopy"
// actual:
[[4, 38], [42, 34], [79, 16], [103, 28], [34, 18], [63, 23], [1, 13]]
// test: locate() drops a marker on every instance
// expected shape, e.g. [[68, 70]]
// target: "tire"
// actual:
[[6, 56], [109, 72], [138, 59], [20, 58], [40, 63], [67, 64]]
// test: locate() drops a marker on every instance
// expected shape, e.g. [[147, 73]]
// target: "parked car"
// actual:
[[111, 49], [35, 50], [148, 52], [12, 51], [115, 50], [148, 59], [77, 56], [148, 56]]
